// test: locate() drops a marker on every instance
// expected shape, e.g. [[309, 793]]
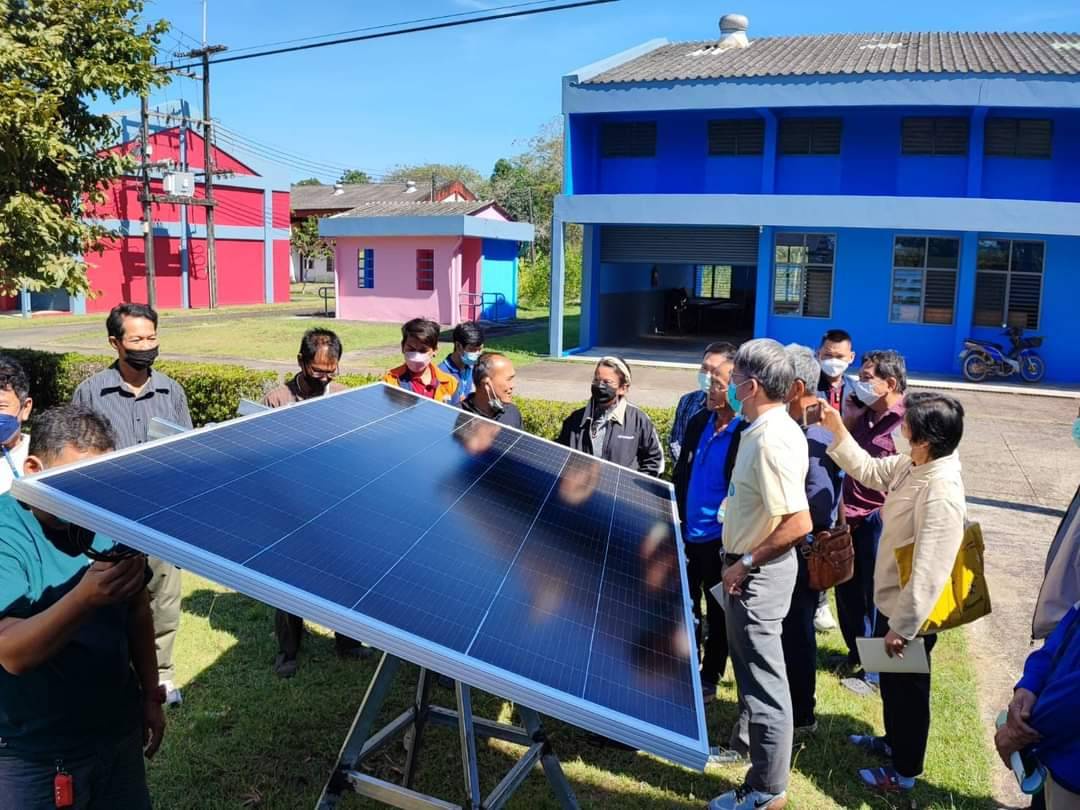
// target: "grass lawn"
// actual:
[[244, 738]]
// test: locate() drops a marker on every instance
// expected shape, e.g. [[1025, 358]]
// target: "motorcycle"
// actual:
[[985, 358]]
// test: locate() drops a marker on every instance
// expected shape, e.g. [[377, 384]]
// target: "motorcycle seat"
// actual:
[[989, 343]]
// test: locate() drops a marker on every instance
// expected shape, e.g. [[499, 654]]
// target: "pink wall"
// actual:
[[395, 297], [472, 258]]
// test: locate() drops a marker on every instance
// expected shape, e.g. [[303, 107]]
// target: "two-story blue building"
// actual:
[[912, 188]]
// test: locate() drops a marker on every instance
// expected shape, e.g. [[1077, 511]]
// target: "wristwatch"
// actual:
[[747, 560]]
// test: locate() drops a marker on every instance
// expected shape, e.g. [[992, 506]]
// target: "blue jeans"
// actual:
[[112, 777], [855, 598]]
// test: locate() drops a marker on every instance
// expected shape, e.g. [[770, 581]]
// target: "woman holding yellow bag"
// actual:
[[922, 519]]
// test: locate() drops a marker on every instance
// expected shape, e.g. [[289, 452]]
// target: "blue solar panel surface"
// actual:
[[492, 543]]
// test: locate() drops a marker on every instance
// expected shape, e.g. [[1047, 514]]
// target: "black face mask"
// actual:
[[141, 359], [315, 385], [71, 539], [603, 393]]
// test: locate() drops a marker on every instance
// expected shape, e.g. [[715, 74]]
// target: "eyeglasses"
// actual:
[[321, 373]]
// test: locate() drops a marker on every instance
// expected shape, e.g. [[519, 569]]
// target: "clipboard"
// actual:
[[873, 657]]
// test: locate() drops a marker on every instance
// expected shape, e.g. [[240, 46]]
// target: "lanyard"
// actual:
[[14, 471]]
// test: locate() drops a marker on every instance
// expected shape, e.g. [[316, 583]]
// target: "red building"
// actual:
[[251, 226]]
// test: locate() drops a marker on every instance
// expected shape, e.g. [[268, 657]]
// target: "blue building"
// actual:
[[912, 188]]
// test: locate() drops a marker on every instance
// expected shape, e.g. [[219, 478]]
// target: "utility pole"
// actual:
[[147, 204], [208, 166]]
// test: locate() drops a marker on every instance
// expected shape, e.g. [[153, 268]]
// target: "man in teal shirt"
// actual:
[[79, 698]]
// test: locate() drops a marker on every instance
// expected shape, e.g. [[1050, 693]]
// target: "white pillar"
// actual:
[[558, 273]]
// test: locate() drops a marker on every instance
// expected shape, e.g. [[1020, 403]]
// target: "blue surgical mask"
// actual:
[[470, 358], [1076, 431], [733, 398], [704, 382], [864, 390], [9, 426]]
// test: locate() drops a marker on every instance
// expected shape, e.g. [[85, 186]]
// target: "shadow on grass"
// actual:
[[244, 738]]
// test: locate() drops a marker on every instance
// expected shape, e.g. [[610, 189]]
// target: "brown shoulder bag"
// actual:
[[830, 558]]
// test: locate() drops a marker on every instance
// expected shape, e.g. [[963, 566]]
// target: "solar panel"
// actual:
[[504, 560]]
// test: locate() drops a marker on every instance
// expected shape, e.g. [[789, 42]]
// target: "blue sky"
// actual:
[[474, 94]]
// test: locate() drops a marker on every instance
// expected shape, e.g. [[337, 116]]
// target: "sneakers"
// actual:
[[886, 780], [726, 756], [744, 798], [804, 731], [871, 745], [172, 694], [862, 685], [823, 619], [285, 667]]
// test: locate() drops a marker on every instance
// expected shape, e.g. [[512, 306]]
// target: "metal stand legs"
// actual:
[[361, 744]]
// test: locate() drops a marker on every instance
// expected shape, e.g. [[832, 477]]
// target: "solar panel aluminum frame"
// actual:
[[35, 490]]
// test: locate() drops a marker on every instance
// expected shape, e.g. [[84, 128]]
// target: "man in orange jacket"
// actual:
[[419, 374]]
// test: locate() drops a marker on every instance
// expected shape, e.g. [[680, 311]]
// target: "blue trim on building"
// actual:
[[860, 90], [825, 211], [268, 247], [343, 225], [176, 230]]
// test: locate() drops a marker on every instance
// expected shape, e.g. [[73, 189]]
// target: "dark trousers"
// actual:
[[289, 630], [855, 598], [704, 569], [905, 702], [800, 647], [112, 777]]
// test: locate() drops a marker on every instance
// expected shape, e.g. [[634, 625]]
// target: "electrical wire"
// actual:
[[434, 26]]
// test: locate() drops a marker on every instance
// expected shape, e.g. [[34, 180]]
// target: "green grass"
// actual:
[[244, 738]]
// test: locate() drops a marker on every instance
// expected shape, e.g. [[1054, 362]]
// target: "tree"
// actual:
[[527, 183], [354, 176], [444, 173], [305, 240], [309, 181], [56, 57]]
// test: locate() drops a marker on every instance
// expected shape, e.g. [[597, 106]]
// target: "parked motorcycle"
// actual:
[[985, 358]]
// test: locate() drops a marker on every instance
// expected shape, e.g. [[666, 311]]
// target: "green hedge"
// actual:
[[213, 390]]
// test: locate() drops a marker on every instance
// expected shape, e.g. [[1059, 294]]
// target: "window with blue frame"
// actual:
[[365, 269], [712, 281], [924, 279], [803, 274]]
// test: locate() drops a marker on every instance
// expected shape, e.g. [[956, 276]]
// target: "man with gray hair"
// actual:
[[765, 514]]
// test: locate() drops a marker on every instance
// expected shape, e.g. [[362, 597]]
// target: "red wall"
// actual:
[[119, 274]]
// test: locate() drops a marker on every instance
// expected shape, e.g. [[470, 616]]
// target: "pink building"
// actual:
[[447, 261]]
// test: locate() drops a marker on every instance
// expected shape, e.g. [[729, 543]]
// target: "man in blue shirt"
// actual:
[[693, 403], [79, 696], [468, 346], [701, 480]]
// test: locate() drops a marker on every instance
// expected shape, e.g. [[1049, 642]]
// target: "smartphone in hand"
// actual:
[[811, 415]]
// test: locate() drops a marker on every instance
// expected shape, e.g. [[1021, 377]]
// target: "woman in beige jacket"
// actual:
[[924, 509]]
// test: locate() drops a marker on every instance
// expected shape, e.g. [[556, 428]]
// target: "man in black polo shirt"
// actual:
[[129, 394], [493, 377], [79, 696]]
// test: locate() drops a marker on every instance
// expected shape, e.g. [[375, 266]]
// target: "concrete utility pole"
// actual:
[[208, 166], [147, 203]]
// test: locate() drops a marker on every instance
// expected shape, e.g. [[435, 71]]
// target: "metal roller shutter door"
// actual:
[[678, 245]]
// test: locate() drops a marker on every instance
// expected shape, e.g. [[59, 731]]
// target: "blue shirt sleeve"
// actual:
[[1037, 666]]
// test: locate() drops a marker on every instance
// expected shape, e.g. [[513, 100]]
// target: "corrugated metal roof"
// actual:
[[854, 54], [416, 209], [323, 198]]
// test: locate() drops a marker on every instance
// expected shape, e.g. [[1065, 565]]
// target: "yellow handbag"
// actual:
[[966, 596]]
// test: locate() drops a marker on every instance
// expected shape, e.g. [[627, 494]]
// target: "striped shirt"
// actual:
[[689, 406], [128, 413]]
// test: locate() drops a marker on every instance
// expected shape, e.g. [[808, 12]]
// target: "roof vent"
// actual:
[[410, 186], [733, 28], [338, 189]]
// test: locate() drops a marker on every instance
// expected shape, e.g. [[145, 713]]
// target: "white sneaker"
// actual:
[[172, 694], [745, 799], [823, 619]]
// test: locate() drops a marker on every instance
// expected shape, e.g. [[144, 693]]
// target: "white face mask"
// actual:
[[864, 390], [903, 446], [834, 366], [417, 361]]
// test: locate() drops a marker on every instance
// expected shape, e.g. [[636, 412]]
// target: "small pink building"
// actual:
[[447, 261]]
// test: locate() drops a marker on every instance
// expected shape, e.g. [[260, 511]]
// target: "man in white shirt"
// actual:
[[765, 515], [15, 408]]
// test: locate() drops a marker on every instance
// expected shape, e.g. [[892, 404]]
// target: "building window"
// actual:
[[365, 268], [810, 136], [743, 136], [802, 283], [934, 136], [924, 279], [425, 269], [330, 263], [628, 140], [1018, 137], [309, 263], [1008, 283], [712, 281]]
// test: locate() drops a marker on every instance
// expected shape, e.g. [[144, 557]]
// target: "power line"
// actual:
[[247, 141], [396, 32], [388, 25]]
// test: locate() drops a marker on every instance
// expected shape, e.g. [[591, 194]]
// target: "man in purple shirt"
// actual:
[[872, 413]]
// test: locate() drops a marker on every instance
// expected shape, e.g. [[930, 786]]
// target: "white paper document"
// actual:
[[873, 657]]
